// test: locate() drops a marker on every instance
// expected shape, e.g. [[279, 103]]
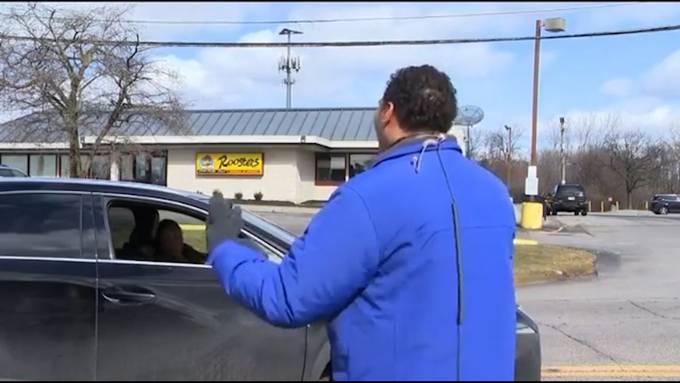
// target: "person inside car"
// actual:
[[170, 246]]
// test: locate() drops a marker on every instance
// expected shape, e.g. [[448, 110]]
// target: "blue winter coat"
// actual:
[[379, 263]]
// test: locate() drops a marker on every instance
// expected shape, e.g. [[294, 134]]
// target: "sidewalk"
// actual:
[[279, 209]]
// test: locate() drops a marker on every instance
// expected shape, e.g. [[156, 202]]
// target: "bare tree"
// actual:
[[632, 156], [81, 74], [497, 145]]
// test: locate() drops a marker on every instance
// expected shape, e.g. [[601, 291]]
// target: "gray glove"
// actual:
[[224, 221]]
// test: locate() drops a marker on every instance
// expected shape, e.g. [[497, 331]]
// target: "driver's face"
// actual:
[[172, 241]]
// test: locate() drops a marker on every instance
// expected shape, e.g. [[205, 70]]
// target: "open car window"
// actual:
[[145, 231]]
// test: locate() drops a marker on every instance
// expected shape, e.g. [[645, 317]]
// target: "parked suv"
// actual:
[[6, 171], [83, 297], [569, 198], [665, 203]]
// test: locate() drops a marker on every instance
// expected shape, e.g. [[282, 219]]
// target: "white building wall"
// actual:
[[278, 183]]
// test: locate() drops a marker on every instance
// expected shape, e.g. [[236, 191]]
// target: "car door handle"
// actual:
[[126, 297]]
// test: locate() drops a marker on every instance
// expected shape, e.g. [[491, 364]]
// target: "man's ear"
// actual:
[[386, 113]]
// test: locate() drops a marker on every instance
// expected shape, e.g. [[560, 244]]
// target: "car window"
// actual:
[[570, 191], [148, 232], [40, 225], [193, 229], [121, 221]]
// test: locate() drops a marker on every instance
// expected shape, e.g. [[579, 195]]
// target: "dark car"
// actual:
[[84, 298], [665, 204], [6, 171], [567, 198]]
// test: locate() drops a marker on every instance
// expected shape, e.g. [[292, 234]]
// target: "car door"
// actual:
[[47, 286], [162, 321], [674, 205]]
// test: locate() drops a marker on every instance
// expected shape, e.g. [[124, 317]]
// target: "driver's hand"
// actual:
[[224, 221]]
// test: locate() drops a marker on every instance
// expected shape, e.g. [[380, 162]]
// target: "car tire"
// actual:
[[584, 212], [576, 213], [663, 211]]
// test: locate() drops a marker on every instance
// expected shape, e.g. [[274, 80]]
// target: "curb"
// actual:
[[279, 209], [524, 242]]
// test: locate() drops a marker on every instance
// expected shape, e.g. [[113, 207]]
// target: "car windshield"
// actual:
[[666, 197], [276, 231], [271, 228]]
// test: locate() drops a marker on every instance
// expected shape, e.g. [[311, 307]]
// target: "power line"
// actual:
[[358, 19], [344, 44]]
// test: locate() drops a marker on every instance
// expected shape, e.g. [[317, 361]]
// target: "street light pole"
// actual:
[[551, 25], [509, 156], [534, 108], [532, 209], [468, 144], [562, 157]]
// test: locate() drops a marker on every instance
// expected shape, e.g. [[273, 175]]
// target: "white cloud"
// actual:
[[618, 87], [664, 78], [648, 114], [329, 76], [627, 15]]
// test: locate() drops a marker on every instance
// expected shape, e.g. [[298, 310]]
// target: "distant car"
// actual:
[[6, 171], [665, 204], [568, 197]]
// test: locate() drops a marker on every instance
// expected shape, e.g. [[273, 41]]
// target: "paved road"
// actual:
[[624, 324], [629, 316]]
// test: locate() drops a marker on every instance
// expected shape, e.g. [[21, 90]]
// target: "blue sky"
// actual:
[[636, 78]]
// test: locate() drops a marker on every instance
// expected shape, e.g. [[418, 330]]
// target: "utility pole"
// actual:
[[509, 156], [556, 24], [563, 159], [288, 65], [468, 144]]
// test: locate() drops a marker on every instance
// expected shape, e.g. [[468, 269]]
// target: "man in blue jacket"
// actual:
[[410, 262]]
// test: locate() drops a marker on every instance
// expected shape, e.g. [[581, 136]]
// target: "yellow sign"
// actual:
[[232, 164]]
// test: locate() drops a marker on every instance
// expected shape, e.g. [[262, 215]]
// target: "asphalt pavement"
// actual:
[[623, 324], [625, 321]]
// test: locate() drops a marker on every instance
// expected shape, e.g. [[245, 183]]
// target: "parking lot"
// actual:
[[623, 324]]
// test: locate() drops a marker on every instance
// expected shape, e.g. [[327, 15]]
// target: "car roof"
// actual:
[[261, 225], [101, 186]]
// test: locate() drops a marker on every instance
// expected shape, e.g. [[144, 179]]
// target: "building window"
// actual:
[[42, 165], [359, 162], [331, 168], [19, 162], [127, 163], [65, 166], [142, 168], [101, 167], [158, 170], [148, 167]]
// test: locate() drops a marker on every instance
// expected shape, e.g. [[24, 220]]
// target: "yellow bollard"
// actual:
[[602, 206], [532, 215], [617, 205], [590, 207]]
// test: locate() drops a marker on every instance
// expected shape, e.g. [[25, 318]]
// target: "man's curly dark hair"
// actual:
[[424, 99]]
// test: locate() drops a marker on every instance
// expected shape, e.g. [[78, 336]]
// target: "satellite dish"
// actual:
[[469, 115]]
